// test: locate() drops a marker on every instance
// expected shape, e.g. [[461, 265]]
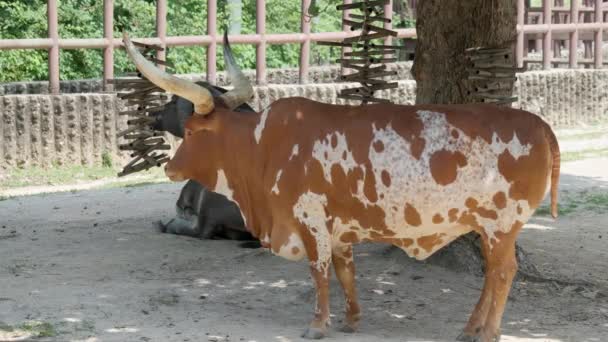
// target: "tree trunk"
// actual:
[[445, 29]]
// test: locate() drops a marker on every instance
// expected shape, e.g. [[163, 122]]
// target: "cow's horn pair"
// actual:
[[198, 95]]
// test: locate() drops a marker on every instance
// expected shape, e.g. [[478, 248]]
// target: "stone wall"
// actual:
[[78, 128]]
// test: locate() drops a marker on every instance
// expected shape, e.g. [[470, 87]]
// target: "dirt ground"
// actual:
[[92, 266]]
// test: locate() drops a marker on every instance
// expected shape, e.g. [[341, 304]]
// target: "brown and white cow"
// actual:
[[311, 179]]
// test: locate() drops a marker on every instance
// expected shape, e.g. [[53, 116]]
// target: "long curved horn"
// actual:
[[242, 90], [199, 96]]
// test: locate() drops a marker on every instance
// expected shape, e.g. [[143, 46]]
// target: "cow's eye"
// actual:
[[188, 132]]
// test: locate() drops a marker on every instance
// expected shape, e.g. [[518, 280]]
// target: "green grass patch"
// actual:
[[598, 201], [584, 154], [562, 209], [40, 329], [56, 175], [582, 201], [34, 329], [70, 175]]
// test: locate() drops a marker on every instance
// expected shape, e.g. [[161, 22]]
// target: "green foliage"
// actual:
[[84, 19], [106, 160], [22, 19]]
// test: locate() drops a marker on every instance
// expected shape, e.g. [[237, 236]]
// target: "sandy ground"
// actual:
[[92, 266]]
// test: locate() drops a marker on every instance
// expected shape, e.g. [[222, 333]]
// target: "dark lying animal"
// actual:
[[206, 215], [200, 213]]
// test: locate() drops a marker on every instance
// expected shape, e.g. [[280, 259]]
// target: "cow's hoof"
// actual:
[[463, 337], [348, 328], [313, 334], [467, 338]]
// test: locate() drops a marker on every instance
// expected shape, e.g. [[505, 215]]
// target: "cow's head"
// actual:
[[172, 118], [197, 156]]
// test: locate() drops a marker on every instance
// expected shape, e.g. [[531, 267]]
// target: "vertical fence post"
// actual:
[[161, 29], [388, 14], [260, 28], [108, 51], [519, 47], [547, 11], [526, 37], [345, 15], [538, 42], [345, 49], [586, 19], [572, 57], [305, 46], [212, 48], [557, 19], [51, 8], [598, 35]]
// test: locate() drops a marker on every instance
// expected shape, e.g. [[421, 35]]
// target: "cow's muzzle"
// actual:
[[173, 175]]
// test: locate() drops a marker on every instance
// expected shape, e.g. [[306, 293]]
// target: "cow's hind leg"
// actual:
[[500, 269], [342, 258], [319, 255]]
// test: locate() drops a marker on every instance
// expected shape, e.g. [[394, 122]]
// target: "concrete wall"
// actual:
[[77, 128], [565, 98], [60, 129]]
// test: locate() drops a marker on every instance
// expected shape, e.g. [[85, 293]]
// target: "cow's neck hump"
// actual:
[[240, 168]]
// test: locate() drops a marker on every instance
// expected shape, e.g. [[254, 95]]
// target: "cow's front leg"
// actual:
[[342, 258], [319, 255]]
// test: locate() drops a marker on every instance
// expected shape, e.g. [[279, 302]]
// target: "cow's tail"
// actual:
[[555, 156]]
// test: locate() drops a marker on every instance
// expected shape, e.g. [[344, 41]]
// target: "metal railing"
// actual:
[[550, 31], [260, 39]]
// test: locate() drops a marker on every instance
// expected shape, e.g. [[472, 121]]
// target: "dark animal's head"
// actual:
[[173, 117], [204, 129]]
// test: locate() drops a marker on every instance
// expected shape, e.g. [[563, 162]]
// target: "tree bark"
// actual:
[[445, 29]]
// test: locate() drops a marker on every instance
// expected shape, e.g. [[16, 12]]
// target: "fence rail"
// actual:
[[549, 30]]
